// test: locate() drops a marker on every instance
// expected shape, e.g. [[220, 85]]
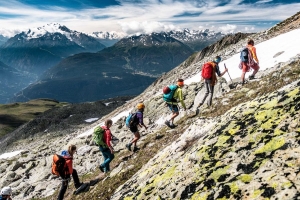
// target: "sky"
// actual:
[[145, 16], [287, 43]]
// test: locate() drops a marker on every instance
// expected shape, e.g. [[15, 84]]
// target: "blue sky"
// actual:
[[145, 16]]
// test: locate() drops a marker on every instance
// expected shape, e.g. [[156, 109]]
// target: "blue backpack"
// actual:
[[131, 119], [244, 54], [168, 97]]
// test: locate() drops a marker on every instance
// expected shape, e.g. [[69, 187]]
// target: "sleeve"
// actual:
[[218, 70], [107, 137], [180, 97], [140, 117], [254, 55]]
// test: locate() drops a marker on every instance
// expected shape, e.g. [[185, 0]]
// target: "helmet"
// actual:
[[6, 191], [140, 106], [217, 59]]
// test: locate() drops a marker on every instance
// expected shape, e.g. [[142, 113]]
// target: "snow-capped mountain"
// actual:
[[54, 32], [193, 35], [108, 38], [49, 43]]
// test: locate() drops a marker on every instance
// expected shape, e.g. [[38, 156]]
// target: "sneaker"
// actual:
[[167, 123], [101, 168], [251, 77], [128, 146], [135, 149]]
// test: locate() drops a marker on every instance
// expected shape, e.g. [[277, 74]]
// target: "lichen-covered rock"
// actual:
[[251, 152]]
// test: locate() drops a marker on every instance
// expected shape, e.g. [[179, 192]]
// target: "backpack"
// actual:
[[244, 54], [207, 70], [98, 136], [168, 97], [59, 166], [131, 119]]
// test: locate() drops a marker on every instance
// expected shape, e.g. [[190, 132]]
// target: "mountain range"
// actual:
[[42, 55]]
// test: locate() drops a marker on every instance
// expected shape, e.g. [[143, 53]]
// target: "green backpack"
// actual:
[[98, 136]]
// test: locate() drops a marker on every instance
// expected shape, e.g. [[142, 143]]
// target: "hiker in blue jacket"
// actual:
[[138, 121]]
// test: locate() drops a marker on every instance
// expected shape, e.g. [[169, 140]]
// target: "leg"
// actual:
[[136, 138], [108, 158], [244, 70], [206, 84], [211, 93], [75, 178], [63, 189], [255, 69], [175, 114], [105, 156]]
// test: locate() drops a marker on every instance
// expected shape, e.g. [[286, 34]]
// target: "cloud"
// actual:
[[228, 28], [263, 1], [135, 27], [136, 16]]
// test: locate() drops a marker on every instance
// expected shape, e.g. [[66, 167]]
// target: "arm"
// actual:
[[107, 138], [218, 71], [180, 97], [140, 116], [254, 55]]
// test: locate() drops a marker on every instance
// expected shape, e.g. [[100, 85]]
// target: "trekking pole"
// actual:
[[228, 72]]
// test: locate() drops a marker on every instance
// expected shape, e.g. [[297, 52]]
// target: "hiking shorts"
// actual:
[[246, 68], [173, 108], [133, 129]]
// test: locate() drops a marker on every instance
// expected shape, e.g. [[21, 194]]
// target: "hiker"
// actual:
[[68, 155], [6, 193], [107, 150], [173, 104], [137, 121], [211, 79], [251, 62]]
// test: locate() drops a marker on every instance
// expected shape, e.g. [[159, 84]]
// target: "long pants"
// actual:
[[65, 183], [209, 92], [108, 157]]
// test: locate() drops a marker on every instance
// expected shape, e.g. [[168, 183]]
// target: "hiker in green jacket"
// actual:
[[173, 105]]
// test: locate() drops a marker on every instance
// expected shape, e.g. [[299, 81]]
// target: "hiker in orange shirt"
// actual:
[[251, 63]]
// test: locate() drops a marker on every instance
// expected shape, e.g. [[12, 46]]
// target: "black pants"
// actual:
[[65, 183], [209, 92]]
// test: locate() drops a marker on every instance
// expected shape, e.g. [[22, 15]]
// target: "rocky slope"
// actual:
[[244, 147]]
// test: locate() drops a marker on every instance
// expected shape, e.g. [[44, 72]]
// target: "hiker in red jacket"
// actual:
[[212, 80], [252, 62], [107, 151]]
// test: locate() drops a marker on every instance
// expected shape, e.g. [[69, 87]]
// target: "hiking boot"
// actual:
[[173, 126], [79, 185], [128, 146], [251, 77], [167, 123], [135, 149], [101, 168]]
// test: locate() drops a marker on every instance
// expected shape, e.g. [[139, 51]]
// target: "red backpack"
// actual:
[[207, 70]]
